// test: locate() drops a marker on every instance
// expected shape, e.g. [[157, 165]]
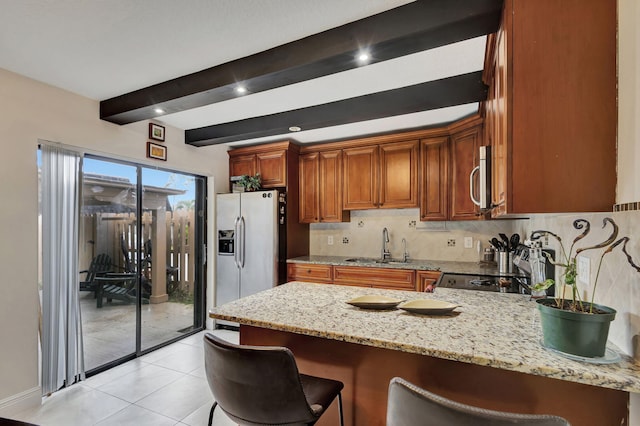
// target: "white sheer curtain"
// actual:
[[62, 351]]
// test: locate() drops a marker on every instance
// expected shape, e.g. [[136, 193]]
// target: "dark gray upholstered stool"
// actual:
[[11, 422], [259, 385], [409, 405]]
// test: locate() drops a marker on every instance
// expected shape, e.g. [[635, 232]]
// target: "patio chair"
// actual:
[[130, 268], [120, 286], [100, 265], [171, 271]]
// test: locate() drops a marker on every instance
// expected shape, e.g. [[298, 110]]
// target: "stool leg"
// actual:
[[340, 408], [211, 412]]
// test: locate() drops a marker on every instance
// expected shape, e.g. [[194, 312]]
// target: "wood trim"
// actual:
[[255, 149], [376, 140]]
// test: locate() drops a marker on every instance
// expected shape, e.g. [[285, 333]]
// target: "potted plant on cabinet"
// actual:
[[569, 324], [250, 183]]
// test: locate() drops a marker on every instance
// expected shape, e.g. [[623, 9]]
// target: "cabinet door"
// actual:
[[330, 186], [360, 186], [497, 117], [272, 167], [308, 175], [393, 279], [434, 180], [464, 157], [399, 175], [242, 165], [426, 280]]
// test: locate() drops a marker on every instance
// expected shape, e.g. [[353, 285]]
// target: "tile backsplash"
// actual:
[[362, 236], [618, 283]]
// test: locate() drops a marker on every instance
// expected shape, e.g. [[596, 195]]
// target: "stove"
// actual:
[[507, 283]]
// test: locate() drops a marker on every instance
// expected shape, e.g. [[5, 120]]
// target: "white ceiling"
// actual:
[[104, 48]]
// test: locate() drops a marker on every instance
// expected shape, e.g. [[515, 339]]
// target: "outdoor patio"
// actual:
[[109, 332]]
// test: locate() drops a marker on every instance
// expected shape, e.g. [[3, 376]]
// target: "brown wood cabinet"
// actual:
[[321, 187], [394, 279], [361, 276], [381, 176], [551, 112], [434, 176], [272, 161], [310, 273], [426, 279], [465, 145]]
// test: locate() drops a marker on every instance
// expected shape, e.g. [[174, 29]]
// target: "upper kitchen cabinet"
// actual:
[[434, 176], [273, 161], [381, 176], [551, 111], [466, 139], [321, 187]]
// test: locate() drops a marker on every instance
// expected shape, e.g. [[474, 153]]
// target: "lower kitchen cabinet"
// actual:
[[310, 273], [427, 280], [393, 279], [362, 276]]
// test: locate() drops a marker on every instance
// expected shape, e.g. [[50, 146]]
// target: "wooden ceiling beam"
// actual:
[[458, 90], [417, 26]]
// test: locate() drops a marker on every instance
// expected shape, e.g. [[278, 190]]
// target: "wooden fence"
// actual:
[[115, 234]]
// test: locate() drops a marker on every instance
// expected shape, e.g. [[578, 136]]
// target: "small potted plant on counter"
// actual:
[[570, 324]]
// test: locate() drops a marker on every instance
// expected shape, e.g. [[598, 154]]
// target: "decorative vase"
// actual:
[[576, 333]]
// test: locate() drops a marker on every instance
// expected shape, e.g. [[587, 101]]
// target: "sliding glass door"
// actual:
[[141, 242]]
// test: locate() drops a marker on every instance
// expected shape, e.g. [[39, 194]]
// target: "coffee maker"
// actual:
[[523, 260]]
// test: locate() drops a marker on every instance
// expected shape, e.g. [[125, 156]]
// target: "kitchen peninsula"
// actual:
[[486, 353]]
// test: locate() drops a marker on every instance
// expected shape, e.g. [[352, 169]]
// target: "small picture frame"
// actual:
[[157, 152], [156, 132]]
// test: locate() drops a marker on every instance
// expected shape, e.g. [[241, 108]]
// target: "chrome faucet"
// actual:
[[405, 253], [385, 239]]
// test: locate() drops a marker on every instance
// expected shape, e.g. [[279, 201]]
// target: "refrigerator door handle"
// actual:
[[243, 239], [236, 239]]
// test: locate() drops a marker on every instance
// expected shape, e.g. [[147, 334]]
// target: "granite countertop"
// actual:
[[451, 267], [498, 330]]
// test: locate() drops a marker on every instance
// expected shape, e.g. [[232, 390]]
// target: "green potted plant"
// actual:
[[570, 324], [250, 183]]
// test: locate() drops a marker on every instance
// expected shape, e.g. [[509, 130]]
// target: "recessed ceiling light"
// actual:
[[363, 57], [241, 89], [294, 129], [158, 110]]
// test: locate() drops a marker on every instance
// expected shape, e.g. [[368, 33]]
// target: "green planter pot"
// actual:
[[575, 333]]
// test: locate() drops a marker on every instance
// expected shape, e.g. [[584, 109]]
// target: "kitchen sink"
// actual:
[[376, 260]]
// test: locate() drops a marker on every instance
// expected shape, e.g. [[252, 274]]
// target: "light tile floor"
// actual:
[[164, 387]]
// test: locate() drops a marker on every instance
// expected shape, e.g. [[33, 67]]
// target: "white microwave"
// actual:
[[483, 186]]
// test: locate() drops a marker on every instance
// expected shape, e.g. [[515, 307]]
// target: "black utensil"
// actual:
[[514, 241], [506, 241], [496, 244]]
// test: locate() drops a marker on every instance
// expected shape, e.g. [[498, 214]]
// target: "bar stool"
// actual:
[[260, 385], [409, 405], [10, 422]]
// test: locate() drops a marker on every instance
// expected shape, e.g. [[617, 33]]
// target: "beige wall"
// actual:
[[30, 111], [628, 101]]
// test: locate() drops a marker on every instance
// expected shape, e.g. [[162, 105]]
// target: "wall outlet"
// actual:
[[330, 240], [451, 243], [468, 242], [584, 269]]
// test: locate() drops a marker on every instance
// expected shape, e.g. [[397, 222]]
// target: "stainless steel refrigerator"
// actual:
[[247, 254]]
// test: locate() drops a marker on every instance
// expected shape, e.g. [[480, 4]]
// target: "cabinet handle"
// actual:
[[308, 271]]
